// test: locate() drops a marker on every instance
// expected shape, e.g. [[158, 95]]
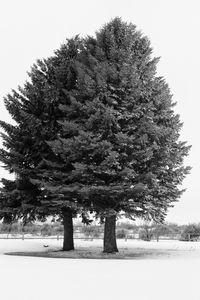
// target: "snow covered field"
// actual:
[[173, 275]]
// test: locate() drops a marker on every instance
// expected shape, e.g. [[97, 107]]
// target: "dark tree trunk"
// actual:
[[110, 243], [68, 243]]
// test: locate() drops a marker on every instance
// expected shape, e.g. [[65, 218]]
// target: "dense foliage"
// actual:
[[95, 132], [120, 133], [35, 109]]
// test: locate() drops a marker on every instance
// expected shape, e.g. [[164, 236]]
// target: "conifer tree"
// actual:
[[126, 152], [145, 130], [35, 110], [99, 134]]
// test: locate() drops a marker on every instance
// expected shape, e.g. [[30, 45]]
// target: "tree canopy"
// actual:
[[95, 131], [120, 132]]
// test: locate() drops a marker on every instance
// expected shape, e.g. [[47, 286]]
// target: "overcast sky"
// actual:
[[34, 29]]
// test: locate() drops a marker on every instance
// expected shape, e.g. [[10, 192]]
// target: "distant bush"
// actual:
[[30, 228], [15, 227], [174, 228], [46, 230], [126, 225], [58, 228], [146, 232], [161, 230], [190, 232], [121, 233], [5, 228], [91, 230]]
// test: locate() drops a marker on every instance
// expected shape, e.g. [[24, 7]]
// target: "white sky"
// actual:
[[35, 28]]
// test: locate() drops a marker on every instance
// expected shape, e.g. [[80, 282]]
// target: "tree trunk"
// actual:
[[110, 244], [68, 243]]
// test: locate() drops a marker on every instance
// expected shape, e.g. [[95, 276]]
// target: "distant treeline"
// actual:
[[124, 230], [44, 229]]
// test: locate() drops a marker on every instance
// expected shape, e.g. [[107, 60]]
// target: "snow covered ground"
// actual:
[[172, 276]]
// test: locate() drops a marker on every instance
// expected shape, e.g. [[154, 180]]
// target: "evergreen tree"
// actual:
[[125, 145], [35, 109], [98, 134], [144, 130]]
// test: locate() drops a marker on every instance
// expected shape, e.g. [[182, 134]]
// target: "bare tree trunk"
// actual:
[[68, 243], [110, 243]]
